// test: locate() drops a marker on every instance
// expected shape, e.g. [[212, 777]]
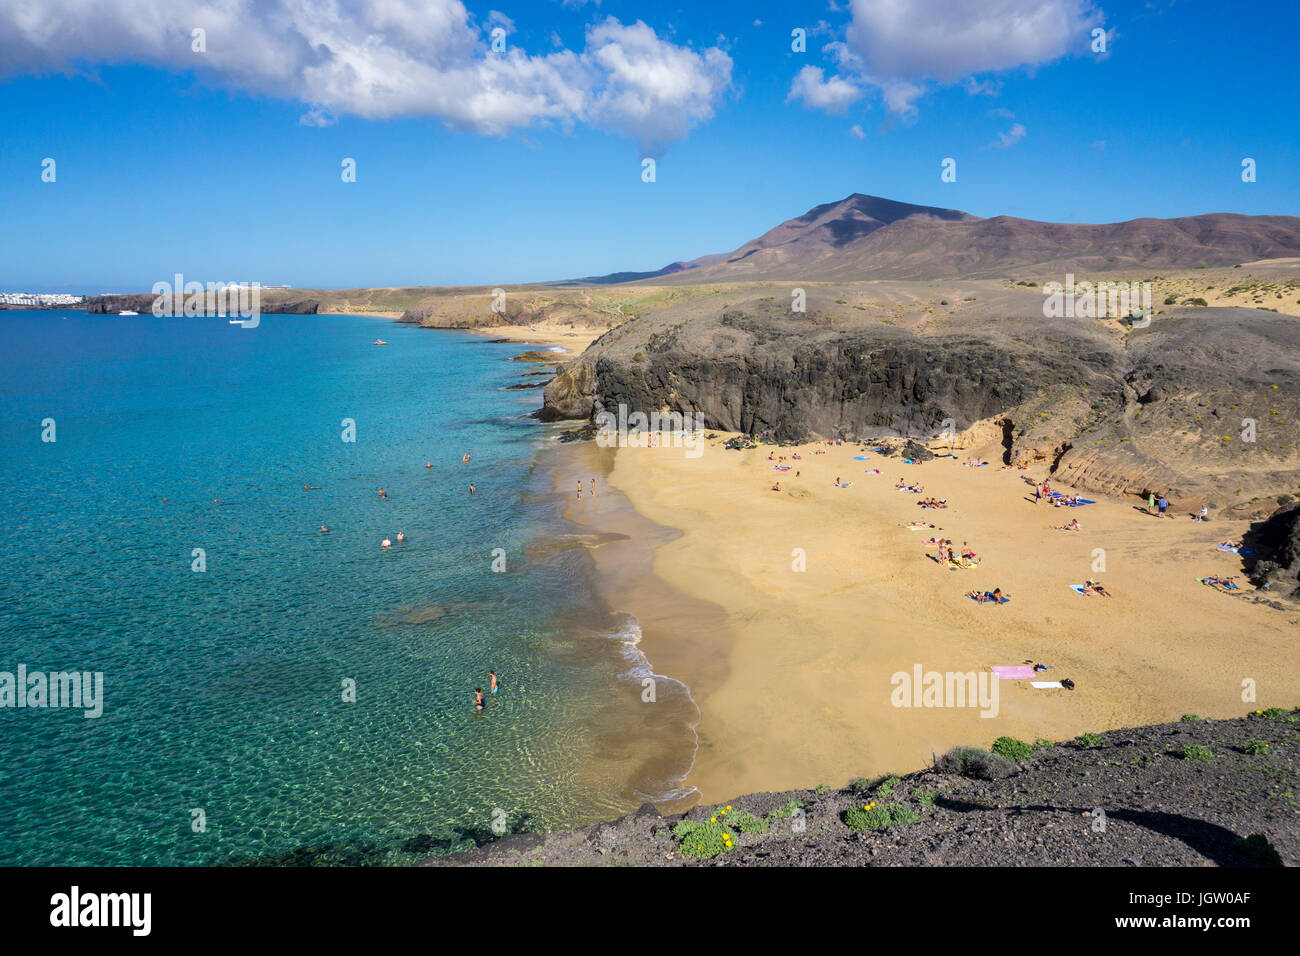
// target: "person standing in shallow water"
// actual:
[[492, 681], [478, 699]]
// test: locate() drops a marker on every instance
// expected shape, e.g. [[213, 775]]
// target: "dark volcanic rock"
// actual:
[[1276, 543], [1161, 809]]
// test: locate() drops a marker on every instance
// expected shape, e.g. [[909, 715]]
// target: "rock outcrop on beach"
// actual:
[[1275, 545], [1201, 405], [1192, 793]]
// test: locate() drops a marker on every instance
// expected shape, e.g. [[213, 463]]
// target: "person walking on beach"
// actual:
[[478, 699], [492, 681], [593, 487], [1151, 502], [1163, 505], [579, 489]]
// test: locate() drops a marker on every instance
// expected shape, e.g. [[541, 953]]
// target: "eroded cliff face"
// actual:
[[1196, 406]]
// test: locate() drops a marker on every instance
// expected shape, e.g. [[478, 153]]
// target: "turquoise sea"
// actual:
[[224, 688]]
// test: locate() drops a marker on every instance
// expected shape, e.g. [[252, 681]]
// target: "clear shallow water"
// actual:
[[223, 688]]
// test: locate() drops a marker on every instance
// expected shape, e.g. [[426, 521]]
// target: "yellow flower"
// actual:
[[713, 819], [728, 806]]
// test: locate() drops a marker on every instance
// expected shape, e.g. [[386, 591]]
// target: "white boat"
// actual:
[[128, 312]]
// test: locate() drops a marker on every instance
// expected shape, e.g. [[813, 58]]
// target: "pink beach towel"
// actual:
[[1013, 671]]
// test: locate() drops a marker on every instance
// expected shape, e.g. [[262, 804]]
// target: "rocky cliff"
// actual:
[[1202, 405]]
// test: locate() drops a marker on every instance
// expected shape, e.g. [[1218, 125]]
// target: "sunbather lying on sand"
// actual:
[[1221, 583], [1095, 587], [1072, 526], [984, 597]]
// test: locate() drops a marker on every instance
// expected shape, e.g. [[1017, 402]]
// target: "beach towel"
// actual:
[[1244, 552], [1013, 671], [1077, 589], [846, 484], [872, 471], [1005, 600], [1045, 684], [862, 458]]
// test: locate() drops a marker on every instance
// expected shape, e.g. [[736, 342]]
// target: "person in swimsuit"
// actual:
[[386, 543], [471, 489], [593, 487], [478, 699], [579, 489], [382, 493], [400, 537], [492, 681], [464, 459], [324, 530]]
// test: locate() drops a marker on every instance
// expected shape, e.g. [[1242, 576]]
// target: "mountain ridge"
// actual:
[[869, 237]]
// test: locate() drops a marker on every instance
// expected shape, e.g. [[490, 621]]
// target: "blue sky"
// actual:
[[529, 169]]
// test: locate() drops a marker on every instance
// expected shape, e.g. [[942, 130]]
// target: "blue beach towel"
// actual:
[[861, 458], [1077, 589]]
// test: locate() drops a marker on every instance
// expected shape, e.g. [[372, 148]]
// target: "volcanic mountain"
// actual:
[[866, 237]]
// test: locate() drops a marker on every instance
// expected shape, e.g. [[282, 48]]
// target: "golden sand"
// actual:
[[803, 696]]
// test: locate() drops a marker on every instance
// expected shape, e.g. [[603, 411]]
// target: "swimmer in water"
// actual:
[[478, 699], [382, 493], [386, 544], [324, 530], [464, 459], [400, 537], [471, 490], [492, 681], [428, 464]]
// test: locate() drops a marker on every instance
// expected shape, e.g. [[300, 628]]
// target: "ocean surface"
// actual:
[[225, 735]]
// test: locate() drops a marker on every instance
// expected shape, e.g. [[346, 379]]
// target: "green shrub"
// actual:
[[1188, 718], [704, 840], [786, 811], [886, 788], [976, 763], [746, 822], [823, 789], [925, 798], [861, 784], [877, 816], [1197, 301], [1012, 749], [1254, 747], [1197, 752], [1273, 713], [1171, 300], [1091, 740], [1042, 743]]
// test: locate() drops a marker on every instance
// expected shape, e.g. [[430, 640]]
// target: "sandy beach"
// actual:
[[793, 671]]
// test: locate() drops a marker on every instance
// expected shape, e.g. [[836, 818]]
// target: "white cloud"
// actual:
[[833, 95], [903, 47], [1010, 137], [380, 59], [856, 132], [949, 41]]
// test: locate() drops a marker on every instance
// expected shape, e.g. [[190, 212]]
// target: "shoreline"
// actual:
[[794, 686]]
